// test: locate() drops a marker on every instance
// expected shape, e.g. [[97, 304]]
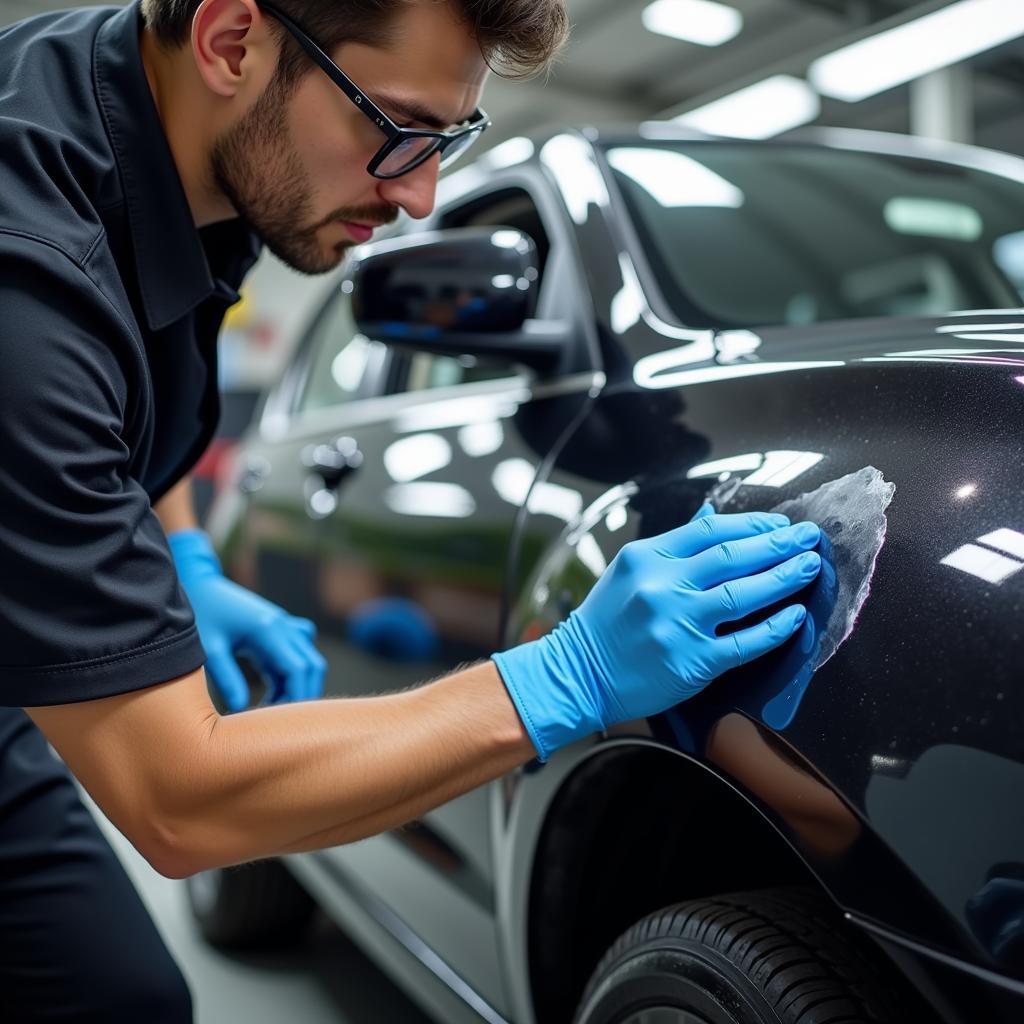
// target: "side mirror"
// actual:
[[468, 291]]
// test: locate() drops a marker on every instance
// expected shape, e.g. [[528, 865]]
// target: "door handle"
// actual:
[[334, 461]]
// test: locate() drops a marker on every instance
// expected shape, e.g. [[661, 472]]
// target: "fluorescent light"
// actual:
[[674, 179], [695, 21], [917, 48], [768, 108]]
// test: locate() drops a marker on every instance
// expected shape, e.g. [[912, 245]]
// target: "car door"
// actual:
[[260, 522], [413, 500]]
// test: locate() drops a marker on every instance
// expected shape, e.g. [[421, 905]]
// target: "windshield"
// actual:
[[744, 235]]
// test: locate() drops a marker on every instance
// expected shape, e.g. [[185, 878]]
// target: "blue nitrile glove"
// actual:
[[234, 620], [645, 637]]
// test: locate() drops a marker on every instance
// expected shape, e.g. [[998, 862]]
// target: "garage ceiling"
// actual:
[[615, 70]]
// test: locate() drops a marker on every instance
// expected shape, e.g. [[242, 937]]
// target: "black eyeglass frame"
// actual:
[[395, 135]]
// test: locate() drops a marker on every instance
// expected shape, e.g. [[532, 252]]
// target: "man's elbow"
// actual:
[[169, 847]]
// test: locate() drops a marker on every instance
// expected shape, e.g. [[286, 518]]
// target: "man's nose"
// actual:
[[415, 192]]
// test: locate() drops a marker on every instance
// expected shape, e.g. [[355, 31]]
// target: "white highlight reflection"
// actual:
[[508, 153], [714, 373], [616, 519], [571, 161], [646, 371], [983, 563], [350, 363], [512, 480], [675, 180], [737, 464], [780, 468], [964, 336], [458, 412], [479, 439], [770, 469], [1009, 541], [628, 305], [759, 111], [734, 345], [434, 500], [589, 553], [413, 457], [960, 328]]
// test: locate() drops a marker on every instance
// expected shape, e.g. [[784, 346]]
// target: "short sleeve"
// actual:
[[90, 604]]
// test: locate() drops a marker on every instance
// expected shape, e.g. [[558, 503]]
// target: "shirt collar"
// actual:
[[174, 273]]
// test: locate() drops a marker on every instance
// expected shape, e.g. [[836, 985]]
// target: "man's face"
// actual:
[[294, 165]]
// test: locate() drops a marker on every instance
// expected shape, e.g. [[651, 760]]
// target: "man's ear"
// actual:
[[231, 42]]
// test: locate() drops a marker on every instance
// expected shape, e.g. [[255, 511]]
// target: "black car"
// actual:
[[594, 333]]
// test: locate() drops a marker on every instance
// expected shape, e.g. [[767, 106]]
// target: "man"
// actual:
[[145, 153]]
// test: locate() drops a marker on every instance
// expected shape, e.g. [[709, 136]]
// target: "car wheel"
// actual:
[[769, 957], [253, 906]]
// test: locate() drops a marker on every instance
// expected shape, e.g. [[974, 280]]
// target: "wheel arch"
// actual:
[[611, 849]]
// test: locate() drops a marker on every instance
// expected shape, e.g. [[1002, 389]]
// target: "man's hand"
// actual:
[[646, 637], [233, 620]]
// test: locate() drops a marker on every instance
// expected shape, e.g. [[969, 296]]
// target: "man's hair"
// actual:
[[518, 38]]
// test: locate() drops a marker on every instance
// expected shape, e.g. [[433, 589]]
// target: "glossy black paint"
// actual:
[[899, 782]]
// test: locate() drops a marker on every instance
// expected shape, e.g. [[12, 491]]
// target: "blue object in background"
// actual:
[[394, 628]]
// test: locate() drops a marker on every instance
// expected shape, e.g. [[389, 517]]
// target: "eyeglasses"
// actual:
[[405, 149]]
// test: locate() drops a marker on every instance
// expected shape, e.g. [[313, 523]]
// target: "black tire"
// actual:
[[776, 956], [253, 906]]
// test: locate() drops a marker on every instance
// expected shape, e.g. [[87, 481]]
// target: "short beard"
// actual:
[[255, 166]]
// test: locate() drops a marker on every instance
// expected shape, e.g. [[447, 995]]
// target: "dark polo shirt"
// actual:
[[110, 305]]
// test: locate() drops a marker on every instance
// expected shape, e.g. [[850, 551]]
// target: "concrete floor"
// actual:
[[327, 982]]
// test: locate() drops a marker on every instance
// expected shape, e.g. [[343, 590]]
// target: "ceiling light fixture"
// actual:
[[695, 21], [917, 48]]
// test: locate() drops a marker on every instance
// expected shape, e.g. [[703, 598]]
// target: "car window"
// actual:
[[745, 236], [422, 371], [427, 371], [338, 359]]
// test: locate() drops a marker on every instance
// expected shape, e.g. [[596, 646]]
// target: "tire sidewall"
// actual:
[[677, 973]]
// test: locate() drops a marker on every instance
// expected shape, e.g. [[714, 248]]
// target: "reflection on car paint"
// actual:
[[770, 771], [977, 788], [994, 558], [770, 469]]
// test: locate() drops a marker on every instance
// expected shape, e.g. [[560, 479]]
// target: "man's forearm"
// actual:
[[304, 776], [175, 509]]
